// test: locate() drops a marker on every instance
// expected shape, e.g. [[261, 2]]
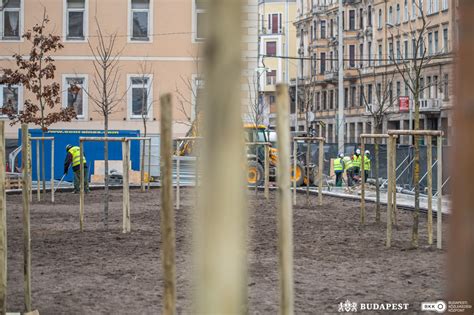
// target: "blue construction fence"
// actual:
[[404, 158], [94, 151]]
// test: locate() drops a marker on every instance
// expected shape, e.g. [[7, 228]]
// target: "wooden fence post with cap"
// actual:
[[26, 220], [3, 223]]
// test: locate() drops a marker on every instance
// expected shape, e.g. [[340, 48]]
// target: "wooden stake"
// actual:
[[389, 192], [3, 223], [439, 211], [308, 158], [377, 182], [295, 145], [285, 211], [362, 184], [126, 187], [142, 168], [167, 213], [267, 173], [149, 164], [394, 182], [429, 150], [26, 220], [178, 184], [320, 172], [52, 171], [38, 173], [81, 189], [30, 171]]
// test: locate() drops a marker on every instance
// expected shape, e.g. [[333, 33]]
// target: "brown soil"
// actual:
[[107, 272]]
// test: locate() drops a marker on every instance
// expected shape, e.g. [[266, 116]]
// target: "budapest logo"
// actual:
[[347, 306]]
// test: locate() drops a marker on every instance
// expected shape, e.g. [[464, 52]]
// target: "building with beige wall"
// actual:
[[378, 34], [165, 36]]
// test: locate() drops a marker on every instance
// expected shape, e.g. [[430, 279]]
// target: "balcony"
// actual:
[[430, 105], [330, 76], [319, 9]]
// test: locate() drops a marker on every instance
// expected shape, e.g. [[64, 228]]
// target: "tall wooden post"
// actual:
[[52, 171], [285, 211], [393, 159], [389, 192], [167, 213], [267, 172], [429, 157], [3, 222], [126, 226], [178, 184], [362, 184], [142, 167], [439, 228], [81, 185], [320, 172], [30, 171], [26, 219], [149, 164], [295, 151], [38, 172], [377, 181], [308, 160], [221, 225]]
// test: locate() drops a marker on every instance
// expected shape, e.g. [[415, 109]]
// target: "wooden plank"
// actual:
[[81, 190], [126, 188], [3, 224], [439, 228], [26, 220], [167, 213], [388, 242], [267, 172], [285, 210], [393, 159], [295, 151], [435, 133], [429, 162]]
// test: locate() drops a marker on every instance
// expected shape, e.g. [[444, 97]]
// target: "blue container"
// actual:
[[93, 150]]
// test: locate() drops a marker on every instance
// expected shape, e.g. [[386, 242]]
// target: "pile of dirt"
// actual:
[[99, 271]]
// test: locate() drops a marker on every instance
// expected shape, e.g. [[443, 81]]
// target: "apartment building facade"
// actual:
[[277, 38], [163, 37], [380, 39]]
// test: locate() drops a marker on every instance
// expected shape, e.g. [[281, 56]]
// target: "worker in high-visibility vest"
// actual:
[[367, 164], [73, 157], [356, 160], [338, 164], [349, 168]]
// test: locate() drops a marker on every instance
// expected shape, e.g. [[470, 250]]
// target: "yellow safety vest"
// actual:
[[76, 156], [338, 164], [347, 163], [367, 163], [356, 160]]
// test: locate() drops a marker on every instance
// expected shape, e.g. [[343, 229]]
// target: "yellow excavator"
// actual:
[[255, 153]]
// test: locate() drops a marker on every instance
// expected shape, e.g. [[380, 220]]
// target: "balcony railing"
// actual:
[[430, 105]]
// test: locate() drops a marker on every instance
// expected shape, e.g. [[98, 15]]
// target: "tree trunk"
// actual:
[[106, 172], [416, 173]]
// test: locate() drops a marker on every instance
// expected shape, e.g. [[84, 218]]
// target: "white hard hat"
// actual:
[[358, 151], [367, 152], [341, 155]]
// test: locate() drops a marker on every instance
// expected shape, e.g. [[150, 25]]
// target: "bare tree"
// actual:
[[106, 84], [36, 73], [411, 71]]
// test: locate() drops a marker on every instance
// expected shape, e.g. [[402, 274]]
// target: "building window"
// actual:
[[369, 93], [331, 99], [414, 51], [200, 19], [361, 55], [74, 95], [10, 98], [271, 77], [140, 20], [318, 102], [361, 19], [446, 87], [274, 23], [430, 44], [322, 63], [429, 8], [325, 97], [405, 11], [361, 96], [352, 20], [406, 49], [398, 14], [369, 16], [378, 92], [271, 48], [380, 54], [346, 97], [10, 17], [399, 51], [436, 6], [315, 25], [413, 9], [428, 87], [436, 42], [353, 96], [198, 94], [351, 56], [380, 19], [390, 15], [435, 86], [399, 89], [75, 19], [140, 96], [422, 88], [420, 7], [445, 40], [445, 5], [323, 29]]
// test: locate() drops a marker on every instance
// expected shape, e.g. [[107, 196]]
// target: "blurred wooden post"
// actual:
[[126, 228], [389, 192], [38, 172], [142, 167], [429, 162], [295, 151], [149, 164], [167, 213], [52, 171], [439, 211], [26, 220], [3, 223], [285, 211], [393, 160], [178, 184], [81, 189], [308, 160], [30, 171], [362, 184], [221, 225], [320, 172], [267, 172], [377, 181]]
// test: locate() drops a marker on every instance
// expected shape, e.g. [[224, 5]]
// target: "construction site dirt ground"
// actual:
[[107, 272]]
